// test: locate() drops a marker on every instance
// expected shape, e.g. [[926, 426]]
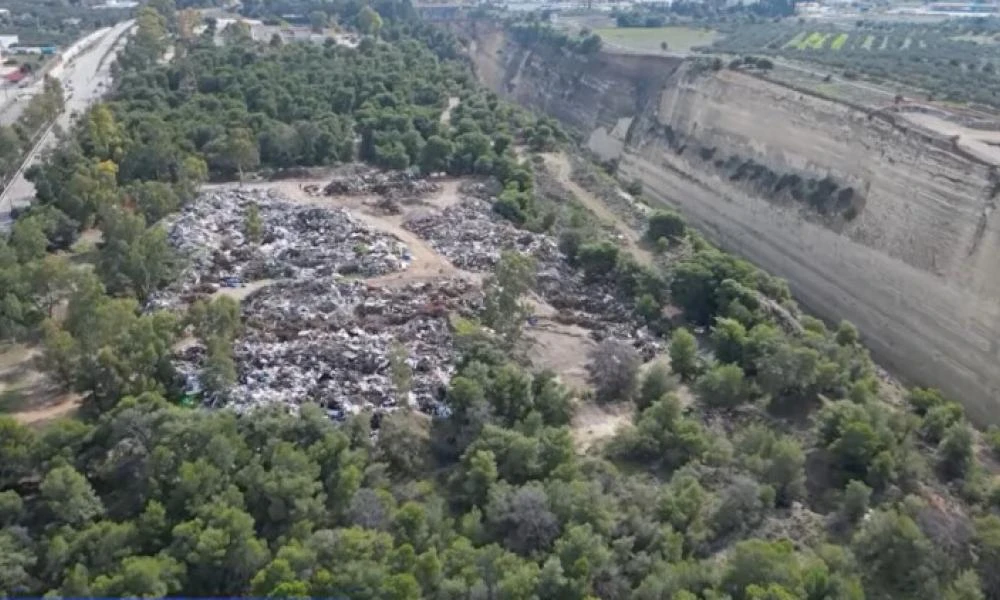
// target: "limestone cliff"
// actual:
[[868, 217]]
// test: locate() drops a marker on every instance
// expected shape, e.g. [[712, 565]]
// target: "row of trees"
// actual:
[[19, 138]]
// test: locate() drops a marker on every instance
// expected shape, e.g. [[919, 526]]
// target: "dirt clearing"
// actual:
[[593, 424], [26, 393]]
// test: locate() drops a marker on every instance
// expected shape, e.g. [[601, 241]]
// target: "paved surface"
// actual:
[[84, 76], [14, 99]]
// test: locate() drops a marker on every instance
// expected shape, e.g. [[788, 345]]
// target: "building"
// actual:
[[6, 41]]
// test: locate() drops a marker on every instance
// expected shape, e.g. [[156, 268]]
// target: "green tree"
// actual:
[[504, 311], [856, 498], [655, 384], [665, 224], [956, 451], [28, 239], [369, 21], [234, 151], [896, 558], [684, 354], [16, 448], [16, 558], [141, 577], [69, 497], [318, 20], [134, 259], [219, 318], [723, 386], [436, 154], [252, 225], [400, 372], [965, 587], [218, 375], [220, 549], [754, 563]]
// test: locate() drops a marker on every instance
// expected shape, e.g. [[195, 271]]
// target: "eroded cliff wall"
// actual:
[[868, 218]]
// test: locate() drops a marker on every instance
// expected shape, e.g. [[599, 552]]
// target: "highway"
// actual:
[[84, 73]]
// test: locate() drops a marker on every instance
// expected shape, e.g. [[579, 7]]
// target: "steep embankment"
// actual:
[[868, 218]]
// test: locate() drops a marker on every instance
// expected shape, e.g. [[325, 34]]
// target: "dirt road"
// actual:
[[559, 165]]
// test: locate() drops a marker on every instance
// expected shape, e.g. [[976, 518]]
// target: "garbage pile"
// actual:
[[328, 341], [472, 236], [294, 241], [392, 184], [595, 306]]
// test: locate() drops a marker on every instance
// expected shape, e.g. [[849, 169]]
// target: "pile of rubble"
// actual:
[[391, 184], [328, 341], [595, 306], [294, 242], [472, 236]]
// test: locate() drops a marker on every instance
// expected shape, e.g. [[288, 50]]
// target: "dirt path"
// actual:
[[446, 114], [65, 407], [559, 165]]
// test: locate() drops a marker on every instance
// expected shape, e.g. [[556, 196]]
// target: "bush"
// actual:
[[634, 187], [956, 452], [857, 495], [724, 387], [598, 261], [657, 383], [684, 354], [665, 224]]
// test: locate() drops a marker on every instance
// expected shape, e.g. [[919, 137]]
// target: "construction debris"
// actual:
[[396, 185], [328, 342], [293, 242], [472, 236]]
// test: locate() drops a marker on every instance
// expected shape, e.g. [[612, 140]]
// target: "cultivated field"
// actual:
[[678, 39], [953, 61]]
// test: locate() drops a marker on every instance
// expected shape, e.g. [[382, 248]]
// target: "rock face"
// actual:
[[869, 217]]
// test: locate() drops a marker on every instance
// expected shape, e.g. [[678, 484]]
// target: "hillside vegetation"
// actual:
[[789, 476]]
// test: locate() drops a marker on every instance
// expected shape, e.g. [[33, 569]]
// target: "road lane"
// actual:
[[84, 80]]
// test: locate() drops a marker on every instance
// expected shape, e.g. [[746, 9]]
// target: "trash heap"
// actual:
[[328, 341], [595, 306], [295, 242], [472, 236], [391, 184]]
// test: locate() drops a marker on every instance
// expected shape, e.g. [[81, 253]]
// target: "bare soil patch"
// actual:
[[27, 394], [593, 423]]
